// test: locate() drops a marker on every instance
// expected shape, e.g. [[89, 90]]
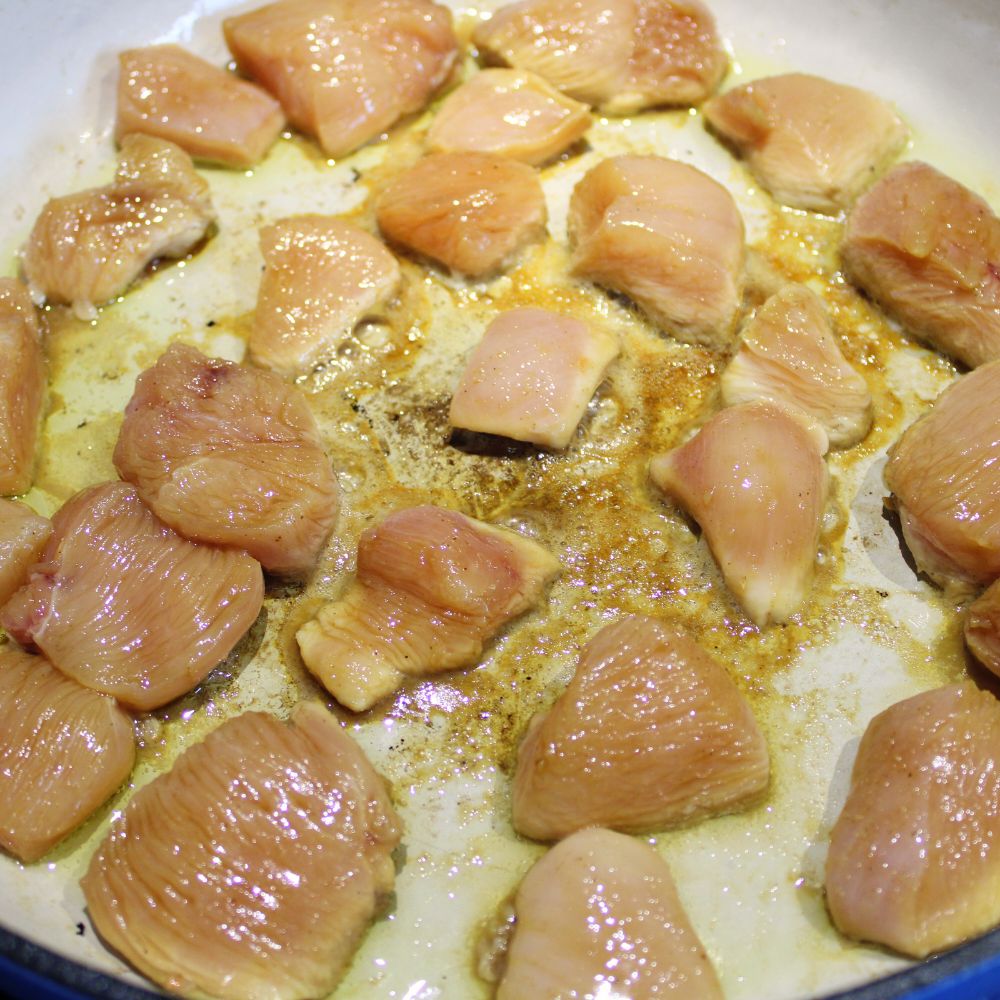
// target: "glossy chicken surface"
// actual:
[[788, 353], [914, 862], [599, 916], [432, 587], [232, 456], [275, 861], [125, 606], [927, 249], [650, 733], [87, 248], [668, 236], [23, 535], [982, 628], [754, 479]]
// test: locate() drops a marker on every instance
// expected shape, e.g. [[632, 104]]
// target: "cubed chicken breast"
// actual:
[[982, 628], [432, 587], [668, 236], [471, 212], [22, 387], [127, 607], [914, 860], [928, 251], [508, 112], [23, 535], [231, 456], [651, 733], [322, 276], [812, 143], [788, 353], [754, 479], [531, 377], [346, 70], [87, 248], [252, 868], [599, 916]]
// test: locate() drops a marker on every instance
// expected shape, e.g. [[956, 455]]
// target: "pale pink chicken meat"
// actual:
[[432, 587], [914, 862], [928, 251], [509, 113], [754, 479], [127, 607], [322, 276], [622, 55], [599, 916], [168, 92], [87, 248], [275, 860], [22, 386], [531, 377], [64, 750], [788, 353], [650, 733], [666, 235], [471, 212], [346, 70], [812, 143], [23, 535], [231, 456], [982, 628], [945, 479]]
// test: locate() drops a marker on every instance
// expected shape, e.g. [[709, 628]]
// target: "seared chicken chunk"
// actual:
[[23, 535], [982, 628]]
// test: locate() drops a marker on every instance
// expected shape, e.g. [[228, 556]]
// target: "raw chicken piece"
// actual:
[[63, 751], [623, 55], [346, 70], [168, 92], [531, 377], [87, 248], [468, 211], [265, 879], [754, 479], [231, 456], [650, 733], [510, 113], [812, 143], [322, 276], [982, 628], [23, 535], [432, 586], [945, 478], [913, 861], [127, 607], [928, 251], [666, 235], [599, 916], [788, 353], [22, 386]]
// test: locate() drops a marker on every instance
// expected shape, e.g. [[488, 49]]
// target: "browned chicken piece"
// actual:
[[22, 386], [508, 112], [471, 212], [599, 916], [275, 859], [87, 248], [622, 55], [982, 628], [322, 276], [125, 606], [812, 143], [23, 535], [928, 251], [754, 479], [914, 861], [346, 70], [166, 91], [230, 456], [63, 751], [666, 235], [432, 587], [788, 353], [651, 733], [945, 479]]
